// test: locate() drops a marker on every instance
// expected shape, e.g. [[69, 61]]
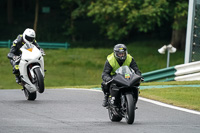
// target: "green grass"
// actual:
[[84, 66], [71, 67], [171, 83], [187, 97]]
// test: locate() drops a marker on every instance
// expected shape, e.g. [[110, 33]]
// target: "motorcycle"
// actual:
[[31, 68], [125, 87]]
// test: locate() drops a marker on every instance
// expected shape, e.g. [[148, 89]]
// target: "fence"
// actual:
[[187, 72], [166, 74], [7, 44], [183, 72]]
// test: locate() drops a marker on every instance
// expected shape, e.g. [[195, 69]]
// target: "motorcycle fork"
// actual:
[[114, 92], [33, 80], [123, 102], [136, 94]]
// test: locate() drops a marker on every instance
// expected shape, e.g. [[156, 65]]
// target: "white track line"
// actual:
[[82, 89], [150, 101]]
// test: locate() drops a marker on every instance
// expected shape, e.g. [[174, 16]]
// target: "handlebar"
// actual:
[[18, 58], [108, 81]]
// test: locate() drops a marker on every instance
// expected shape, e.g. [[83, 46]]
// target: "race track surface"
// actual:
[[80, 111]]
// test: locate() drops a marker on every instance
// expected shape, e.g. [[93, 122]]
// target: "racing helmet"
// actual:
[[120, 52], [29, 36]]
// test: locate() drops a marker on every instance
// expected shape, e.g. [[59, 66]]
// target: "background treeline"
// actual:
[[96, 23]]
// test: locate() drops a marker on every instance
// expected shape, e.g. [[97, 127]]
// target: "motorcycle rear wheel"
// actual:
[[130, 109], [39, 80], [113, 117], [30, 96]]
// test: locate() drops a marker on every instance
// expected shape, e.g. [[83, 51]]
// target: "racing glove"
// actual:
[[15, 57], [42, 51]]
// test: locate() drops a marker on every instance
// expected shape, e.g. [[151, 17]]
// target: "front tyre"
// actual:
[[130, 109], [30, 96], [39, 80]]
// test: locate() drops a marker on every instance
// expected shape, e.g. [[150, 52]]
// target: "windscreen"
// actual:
[[124, 70], [28, 46]]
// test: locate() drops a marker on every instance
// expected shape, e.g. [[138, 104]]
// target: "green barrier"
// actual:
[[54, 45], [7, 44], [166, 74]]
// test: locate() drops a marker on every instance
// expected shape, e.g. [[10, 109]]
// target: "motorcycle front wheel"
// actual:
[[130, 109], [30, 96], [39, 80], [113, 117]]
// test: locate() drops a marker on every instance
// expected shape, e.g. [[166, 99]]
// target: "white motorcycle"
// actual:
[[31, 68]]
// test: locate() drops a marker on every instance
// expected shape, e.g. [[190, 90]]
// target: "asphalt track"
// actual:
[[80, 111]]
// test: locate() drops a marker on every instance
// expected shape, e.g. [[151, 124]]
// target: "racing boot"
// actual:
[[105, 101], [16, 70]]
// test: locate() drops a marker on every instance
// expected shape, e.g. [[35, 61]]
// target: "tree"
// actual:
[[118, 17], [75, 9], [36, 15], [179, 16], [10, 11]]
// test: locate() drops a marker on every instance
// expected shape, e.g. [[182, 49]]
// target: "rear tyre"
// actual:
[[113, 117], [30, 96], [39, 80], [130, 109]]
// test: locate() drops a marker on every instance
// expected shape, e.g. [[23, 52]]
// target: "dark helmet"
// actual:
[[120, 52]]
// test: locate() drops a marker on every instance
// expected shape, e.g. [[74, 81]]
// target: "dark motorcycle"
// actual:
[[124, 86]]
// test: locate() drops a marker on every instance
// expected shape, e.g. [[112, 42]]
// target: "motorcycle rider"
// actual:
[[28, 37], [119, 57]]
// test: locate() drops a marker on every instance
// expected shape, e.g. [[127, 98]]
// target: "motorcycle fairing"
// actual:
[[30, 57], [127, 82]]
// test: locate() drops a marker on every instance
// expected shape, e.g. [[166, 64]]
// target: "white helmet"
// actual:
[[29, 36]]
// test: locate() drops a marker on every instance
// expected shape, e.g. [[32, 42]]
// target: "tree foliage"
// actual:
[[118, 17], [180, 14], [74, 10]]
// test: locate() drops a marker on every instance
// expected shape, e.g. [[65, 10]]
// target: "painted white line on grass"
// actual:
[[148, 100], [169, 106]]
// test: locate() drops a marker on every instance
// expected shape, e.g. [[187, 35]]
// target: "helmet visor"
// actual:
[[30, 39], [121, 54]]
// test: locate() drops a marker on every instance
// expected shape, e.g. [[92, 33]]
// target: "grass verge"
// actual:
[[186, 97], [84, 66]]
